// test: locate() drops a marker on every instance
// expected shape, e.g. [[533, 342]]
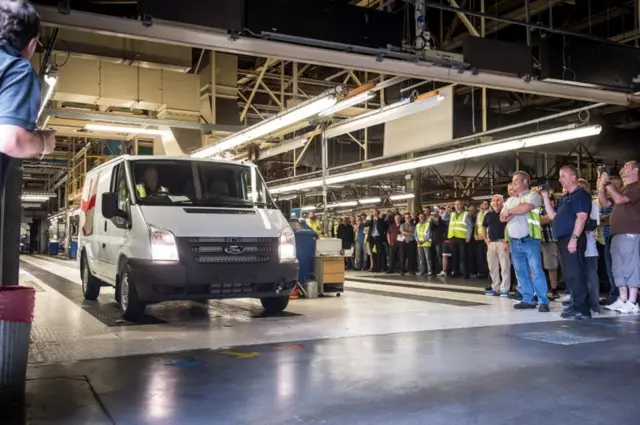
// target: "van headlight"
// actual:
[[163, 245], [287, 245]]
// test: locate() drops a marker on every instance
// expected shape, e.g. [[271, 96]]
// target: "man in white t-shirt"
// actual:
[[591, 256]]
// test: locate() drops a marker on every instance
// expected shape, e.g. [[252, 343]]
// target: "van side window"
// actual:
[[119, 186]]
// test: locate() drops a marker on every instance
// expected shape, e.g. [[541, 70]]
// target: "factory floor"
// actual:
[[392, 349]]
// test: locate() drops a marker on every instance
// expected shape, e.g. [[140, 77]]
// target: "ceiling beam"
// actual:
[[187, 36]]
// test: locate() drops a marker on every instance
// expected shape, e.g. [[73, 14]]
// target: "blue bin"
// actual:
[[305, 249], [54, 248], [73, 249]]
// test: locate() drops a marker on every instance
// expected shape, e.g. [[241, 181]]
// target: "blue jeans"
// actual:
[[527, 261], [614, 293]]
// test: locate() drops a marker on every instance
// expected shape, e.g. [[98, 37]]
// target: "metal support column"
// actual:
[[484, 89], [11, 209], [325, 163]]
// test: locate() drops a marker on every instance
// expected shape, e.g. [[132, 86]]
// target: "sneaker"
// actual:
[[554, 294], [568, 310], [629, 308], [491, 293], [523, 306], [517, 296], [566, 297], [574, 315], [488, 288], [504, 295], [615, 306], [442, 274], [595, 313], [543, 308]]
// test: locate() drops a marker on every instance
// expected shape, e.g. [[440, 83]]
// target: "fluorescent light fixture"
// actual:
[[308, 208], [401, 196], [283, 147], [457, 155], [31, 205], [388, 113], [349, 102], [125, 129], [482, 198], [369, 201], [35, 198], [343, 204], [283, 120], [286, 197], [50, 81]]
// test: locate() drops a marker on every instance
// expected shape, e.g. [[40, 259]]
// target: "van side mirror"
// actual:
[[110, 207]]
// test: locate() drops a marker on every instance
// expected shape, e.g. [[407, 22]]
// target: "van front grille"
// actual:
[[233, 250]]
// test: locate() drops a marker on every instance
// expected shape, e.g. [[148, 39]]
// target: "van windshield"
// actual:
[[198, 183]]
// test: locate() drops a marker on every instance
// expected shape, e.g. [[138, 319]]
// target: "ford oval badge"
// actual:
[[234, 249]]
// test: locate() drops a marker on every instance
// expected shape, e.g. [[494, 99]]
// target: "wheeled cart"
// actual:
[[330, 274]]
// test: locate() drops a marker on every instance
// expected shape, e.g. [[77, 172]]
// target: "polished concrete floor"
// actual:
[[391, 350], [548, 373]]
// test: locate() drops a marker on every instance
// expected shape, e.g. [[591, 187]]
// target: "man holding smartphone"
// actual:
[[625, 228]]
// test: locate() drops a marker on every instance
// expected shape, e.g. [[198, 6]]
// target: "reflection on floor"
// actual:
[[392, 349], [551, 373]]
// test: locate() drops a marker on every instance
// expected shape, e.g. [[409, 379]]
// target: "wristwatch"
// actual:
[[574, 236]]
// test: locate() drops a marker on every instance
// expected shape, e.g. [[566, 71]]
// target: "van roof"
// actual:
[[168, 158]]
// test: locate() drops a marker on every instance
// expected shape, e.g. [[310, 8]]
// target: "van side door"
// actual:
[[115, 229]]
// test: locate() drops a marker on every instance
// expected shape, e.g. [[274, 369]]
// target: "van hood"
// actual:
[[216, 222]]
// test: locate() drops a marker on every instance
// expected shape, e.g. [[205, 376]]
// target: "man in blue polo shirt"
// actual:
[[20, 96], [569, 221]]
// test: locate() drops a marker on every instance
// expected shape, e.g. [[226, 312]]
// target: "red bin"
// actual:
[[16, 314]]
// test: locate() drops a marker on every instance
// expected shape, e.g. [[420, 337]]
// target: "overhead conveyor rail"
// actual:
[[208, 39]]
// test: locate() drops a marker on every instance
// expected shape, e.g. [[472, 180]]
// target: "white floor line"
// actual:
[[435, 282]]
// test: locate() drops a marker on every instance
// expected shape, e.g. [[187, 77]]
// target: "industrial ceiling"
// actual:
[[118, 64]]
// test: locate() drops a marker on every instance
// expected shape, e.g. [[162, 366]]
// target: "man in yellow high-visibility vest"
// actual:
[[460, 233], [423, 236], [150, 185], [524, 234], [313, 223]]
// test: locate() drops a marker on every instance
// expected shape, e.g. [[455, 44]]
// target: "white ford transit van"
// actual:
[[162, 228]]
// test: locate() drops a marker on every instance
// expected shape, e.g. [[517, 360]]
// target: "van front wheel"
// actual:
[[90, 284], [132, 307], [274, 305]]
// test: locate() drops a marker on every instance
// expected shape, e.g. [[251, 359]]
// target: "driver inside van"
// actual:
[[149, 185]]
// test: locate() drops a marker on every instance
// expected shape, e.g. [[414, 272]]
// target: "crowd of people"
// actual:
[[520, 243]]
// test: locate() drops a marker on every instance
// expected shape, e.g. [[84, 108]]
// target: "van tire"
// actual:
[[90, 284], [133, 309], [273, 305]]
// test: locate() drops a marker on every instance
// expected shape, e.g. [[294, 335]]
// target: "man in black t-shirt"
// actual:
[[498, 257]]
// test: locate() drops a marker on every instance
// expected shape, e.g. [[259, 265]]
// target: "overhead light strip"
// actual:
[[457, 155], [388, 113], [283, 120], [349, 102], [107, 128], [400, 197]]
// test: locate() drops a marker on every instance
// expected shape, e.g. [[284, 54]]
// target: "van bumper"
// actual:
[[167, 281]]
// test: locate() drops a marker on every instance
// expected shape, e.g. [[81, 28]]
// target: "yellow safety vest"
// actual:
[[315, 226], [533, 219], [142, 191], [479, 229], [423, 230], [458, 225]]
